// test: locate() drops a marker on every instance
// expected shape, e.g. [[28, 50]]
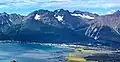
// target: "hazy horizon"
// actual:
[[24, 7]]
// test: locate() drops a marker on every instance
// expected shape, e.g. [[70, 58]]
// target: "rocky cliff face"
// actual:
[[7, 21], [61, 26], [105, 27], [57, 26]]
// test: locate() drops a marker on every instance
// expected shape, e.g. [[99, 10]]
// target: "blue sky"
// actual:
[[27, 6]]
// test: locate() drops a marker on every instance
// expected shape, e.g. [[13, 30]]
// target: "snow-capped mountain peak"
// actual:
[[37, 17], [60, 18], [83, 16]]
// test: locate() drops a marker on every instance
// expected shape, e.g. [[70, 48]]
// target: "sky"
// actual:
[[27, 6]]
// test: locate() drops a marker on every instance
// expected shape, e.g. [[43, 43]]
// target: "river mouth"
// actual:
[[48, 52]]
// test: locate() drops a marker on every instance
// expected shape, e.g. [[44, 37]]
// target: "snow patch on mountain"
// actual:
[[8, 23], [37, 17], [83, 16], [95, 37], [95, 29], [10, 20], [2, 22], [60, 18]]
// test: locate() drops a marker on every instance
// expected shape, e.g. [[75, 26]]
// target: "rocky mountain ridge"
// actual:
[[60, 26]]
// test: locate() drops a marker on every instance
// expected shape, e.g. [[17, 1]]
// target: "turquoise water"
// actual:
[[31, 53]]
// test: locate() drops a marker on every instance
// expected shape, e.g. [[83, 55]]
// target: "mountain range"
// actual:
[[61, 26]]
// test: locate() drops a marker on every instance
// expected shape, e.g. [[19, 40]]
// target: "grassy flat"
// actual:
[[75, 59]]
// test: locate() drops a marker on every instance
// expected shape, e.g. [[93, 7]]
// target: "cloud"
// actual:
[[95, 12], [82, 3], [57, 4], [111, 11], [3, 6], [64, 3]]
